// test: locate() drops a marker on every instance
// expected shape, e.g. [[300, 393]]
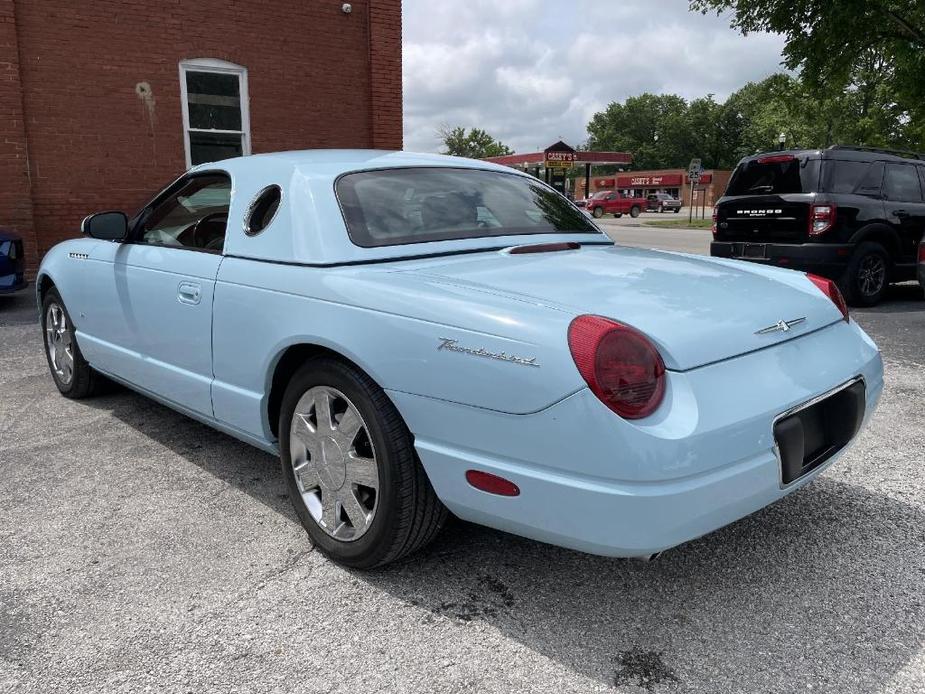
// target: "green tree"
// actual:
[[863, 58], [648, 125], [475, 144]]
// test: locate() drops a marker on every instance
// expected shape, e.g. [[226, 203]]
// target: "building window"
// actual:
[[216, 122]]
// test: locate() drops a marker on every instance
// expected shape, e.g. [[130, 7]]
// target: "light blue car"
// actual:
[[413, 334]]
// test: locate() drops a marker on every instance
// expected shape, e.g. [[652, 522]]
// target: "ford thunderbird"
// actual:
[[415, 335]]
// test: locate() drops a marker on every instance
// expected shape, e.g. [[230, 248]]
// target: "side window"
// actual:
[[901, 183], [871, 183], [194, 216], [262, 210], [844, 176]]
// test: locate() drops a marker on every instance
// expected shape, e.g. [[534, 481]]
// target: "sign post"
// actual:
[[694, 171]]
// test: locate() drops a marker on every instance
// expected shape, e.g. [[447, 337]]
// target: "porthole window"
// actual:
[[262, 210]]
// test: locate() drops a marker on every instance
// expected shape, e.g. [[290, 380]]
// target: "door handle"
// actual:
[[189, 292], [900, 213]]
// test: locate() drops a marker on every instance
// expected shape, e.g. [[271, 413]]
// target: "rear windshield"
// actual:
[[775, 175], [389, 207]]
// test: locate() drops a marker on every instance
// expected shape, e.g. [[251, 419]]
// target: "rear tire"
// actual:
[[398, 508], [597, 212], [634, 211], [867, 276], [72, 374]]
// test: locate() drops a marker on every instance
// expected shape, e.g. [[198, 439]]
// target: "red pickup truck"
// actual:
[[615, 203]]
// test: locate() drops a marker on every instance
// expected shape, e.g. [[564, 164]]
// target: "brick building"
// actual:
[[103, 103]]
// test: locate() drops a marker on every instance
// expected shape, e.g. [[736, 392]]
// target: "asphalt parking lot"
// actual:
[[141, 551]]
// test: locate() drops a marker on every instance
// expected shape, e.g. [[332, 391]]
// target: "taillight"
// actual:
[[922, 253], [620, 365], [713, 226], [831, 290], [821, 218]]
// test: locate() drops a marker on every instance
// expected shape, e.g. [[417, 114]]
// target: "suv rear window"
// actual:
[[775, 174], [390, 207]]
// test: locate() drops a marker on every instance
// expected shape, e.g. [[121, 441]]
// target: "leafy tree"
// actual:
[[648, 125], [866, 57], [475, 144]]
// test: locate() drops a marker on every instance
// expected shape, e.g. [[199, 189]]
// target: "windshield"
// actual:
[[389, 207], [775, 174]]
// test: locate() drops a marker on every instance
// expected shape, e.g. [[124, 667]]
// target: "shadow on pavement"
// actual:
[[824, 588]]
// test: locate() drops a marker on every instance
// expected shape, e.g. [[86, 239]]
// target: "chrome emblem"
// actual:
[[782, 326], [454, 346]]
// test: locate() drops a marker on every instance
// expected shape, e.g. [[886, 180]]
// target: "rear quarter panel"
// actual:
[[391, 327]]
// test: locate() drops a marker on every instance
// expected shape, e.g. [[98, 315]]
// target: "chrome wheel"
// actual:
[[871, 274], [334, 463], [58, 343]]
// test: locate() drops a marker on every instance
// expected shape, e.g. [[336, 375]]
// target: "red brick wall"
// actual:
[[15, 186], [317, 78], [385, 62]]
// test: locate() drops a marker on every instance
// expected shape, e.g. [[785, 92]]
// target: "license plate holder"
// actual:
[[754, 250], [810, 434]]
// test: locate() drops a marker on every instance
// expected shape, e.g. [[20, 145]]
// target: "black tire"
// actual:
[[83, 381], [597, 212], [408, 514], [634, 211], [867, 276], [676, 210], [617, 215]]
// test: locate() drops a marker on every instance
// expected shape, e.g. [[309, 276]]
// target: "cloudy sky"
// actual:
[[533, 71]]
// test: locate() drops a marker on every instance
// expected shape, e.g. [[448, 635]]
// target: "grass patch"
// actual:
[[680, 223]]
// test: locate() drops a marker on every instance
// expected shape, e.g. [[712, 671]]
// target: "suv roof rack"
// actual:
[[881, 150]]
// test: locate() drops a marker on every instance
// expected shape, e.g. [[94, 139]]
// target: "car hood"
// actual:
[[697, 310]]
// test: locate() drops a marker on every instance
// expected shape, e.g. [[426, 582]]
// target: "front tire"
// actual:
[[867, 276], [634, 212], [597, 212], [350, 466], [676, 210], [72, 374]]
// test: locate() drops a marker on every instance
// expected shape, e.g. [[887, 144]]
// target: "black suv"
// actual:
[[853, 214]]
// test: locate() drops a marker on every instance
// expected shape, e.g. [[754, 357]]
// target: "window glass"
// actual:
[[206, 147], [194, 216], [215, 110], [214, 100], [902, 183], [262, 210], [843, 176], [792, 175], [397, 206], [871, 183]]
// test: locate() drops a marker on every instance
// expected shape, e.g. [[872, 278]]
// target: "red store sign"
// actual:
[[667, 180]]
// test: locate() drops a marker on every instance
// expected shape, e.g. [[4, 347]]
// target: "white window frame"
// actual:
[[222, 67]]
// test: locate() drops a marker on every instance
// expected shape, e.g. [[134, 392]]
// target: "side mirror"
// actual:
[[109, 226]]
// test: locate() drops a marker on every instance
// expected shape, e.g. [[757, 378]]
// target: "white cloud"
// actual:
[[531, 71]]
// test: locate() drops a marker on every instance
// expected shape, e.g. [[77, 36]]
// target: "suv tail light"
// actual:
[[620, 365], [831, 290], [713, 226], [922, 253], [821, 218]]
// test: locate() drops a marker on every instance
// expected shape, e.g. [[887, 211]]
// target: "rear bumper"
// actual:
[[596, 483], [826, 259]]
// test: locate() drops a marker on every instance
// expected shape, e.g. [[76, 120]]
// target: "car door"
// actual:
[[904, 206], [164, 280]]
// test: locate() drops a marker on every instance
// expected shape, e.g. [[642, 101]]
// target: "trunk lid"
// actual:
[[697, 310]]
